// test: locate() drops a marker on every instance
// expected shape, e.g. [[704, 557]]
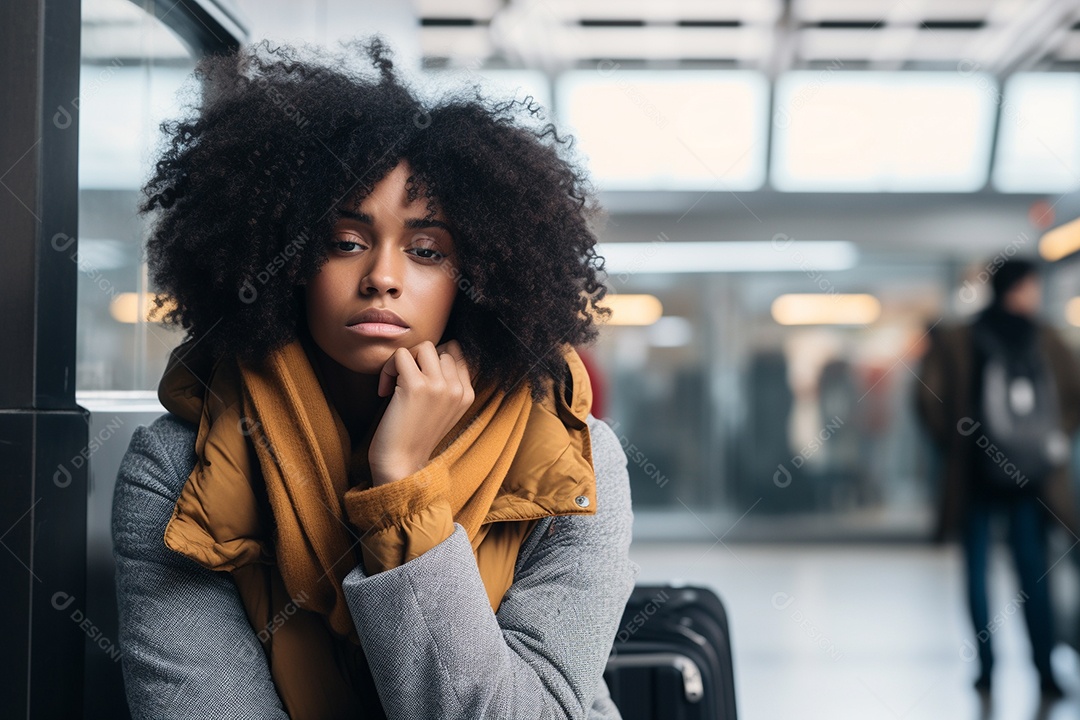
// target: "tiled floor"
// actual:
[[860, 633]]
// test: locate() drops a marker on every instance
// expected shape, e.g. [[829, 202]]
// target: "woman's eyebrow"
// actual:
[[411, 223], [358, 216], [421, 223]]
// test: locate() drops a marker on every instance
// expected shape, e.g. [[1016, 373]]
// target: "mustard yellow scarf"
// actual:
[[508, 459]]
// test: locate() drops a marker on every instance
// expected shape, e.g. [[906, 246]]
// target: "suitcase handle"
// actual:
[[693, 686]]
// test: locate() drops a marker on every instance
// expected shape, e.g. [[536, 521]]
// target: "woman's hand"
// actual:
[[431, 390]]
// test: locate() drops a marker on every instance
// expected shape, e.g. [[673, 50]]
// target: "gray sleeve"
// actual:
[[436, 649], [188, 650]]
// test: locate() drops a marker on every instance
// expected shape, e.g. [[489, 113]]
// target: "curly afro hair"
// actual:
[[245, 196]]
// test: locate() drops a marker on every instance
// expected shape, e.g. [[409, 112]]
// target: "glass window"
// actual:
[[133, 72], [725, 400]]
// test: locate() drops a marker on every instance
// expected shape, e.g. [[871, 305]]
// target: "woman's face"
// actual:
[[384, 255]]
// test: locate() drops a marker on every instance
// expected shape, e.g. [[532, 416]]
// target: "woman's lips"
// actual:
[[377, 329]]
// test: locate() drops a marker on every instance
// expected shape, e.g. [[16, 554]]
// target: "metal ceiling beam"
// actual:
[[785, 45], [1025, 38], [206, 26]]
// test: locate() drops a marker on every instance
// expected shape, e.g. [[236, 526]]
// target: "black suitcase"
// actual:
[[672, 656]]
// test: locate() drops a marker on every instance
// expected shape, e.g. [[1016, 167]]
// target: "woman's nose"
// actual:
[[383, 274]]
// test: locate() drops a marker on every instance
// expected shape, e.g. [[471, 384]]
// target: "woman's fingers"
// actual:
[[428, 360], [461, 366], [400, 363], [436, 393], [442, 364], [388, 376], [450, 374], [453, 348], [464, 374]]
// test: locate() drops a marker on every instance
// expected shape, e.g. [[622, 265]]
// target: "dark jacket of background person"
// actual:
[[944, 398]]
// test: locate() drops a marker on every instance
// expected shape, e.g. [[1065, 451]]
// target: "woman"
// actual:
[[379, 490]]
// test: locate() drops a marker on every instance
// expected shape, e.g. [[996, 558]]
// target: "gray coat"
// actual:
[[435, 648]]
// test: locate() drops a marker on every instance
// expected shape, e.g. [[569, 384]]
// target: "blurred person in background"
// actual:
[[1000, 398]]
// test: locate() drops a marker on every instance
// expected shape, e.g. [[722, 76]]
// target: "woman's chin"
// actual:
[[365, 366], [368, 363]]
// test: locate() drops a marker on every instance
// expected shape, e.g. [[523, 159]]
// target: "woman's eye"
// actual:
[[429, 253], [345, 246]]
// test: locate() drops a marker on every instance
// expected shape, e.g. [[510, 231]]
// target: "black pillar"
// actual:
[[43, 433]]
